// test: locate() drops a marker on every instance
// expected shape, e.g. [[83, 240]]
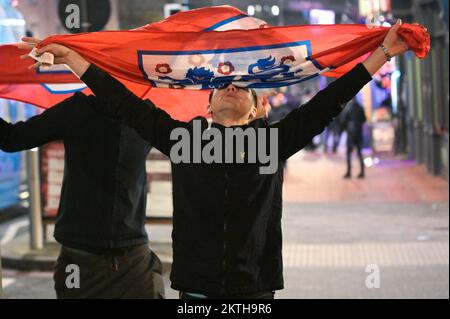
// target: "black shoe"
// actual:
[[347, 176], [361, 176]]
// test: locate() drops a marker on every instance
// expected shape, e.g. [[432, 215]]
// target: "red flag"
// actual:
[[210, 47]]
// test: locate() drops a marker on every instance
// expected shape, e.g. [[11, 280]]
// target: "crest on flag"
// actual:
[[59, 88], [254, 67]]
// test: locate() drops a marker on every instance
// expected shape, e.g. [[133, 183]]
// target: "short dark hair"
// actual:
[[254, 95]]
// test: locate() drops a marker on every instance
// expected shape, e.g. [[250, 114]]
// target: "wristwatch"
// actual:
[[386, 53]]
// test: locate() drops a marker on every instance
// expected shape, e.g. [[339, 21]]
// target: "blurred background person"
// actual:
[[353, 122], [334, 130]]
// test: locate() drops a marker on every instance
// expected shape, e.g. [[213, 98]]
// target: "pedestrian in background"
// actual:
[[353, 121]]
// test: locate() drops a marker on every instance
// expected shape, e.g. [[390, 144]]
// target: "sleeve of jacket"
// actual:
[[40, 129], [301, 125], [152, 124]]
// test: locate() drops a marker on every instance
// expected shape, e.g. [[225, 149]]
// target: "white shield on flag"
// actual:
[[60, 88], [255, 67]]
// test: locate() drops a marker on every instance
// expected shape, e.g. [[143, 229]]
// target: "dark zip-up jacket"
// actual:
[[227, 217], [104, 190]]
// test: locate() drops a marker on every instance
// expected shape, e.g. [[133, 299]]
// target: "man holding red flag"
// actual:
[[227, 239]]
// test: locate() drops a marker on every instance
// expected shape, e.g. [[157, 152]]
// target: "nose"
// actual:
[[231, 88]]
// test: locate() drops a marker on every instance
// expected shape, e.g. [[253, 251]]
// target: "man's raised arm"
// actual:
[[152, 123], [47, 127], [301, 125]]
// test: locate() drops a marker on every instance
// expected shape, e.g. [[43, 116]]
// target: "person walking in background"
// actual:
[[353, 121], [334, 130], [279, 109]]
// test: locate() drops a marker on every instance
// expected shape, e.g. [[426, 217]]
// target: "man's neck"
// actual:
[[229, 121]]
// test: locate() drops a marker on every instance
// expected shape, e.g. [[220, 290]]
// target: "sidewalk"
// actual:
[[317, 178], [397, 219]]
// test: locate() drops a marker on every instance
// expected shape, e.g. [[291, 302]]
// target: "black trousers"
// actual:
[[352, 144], [256, 295], [134, 272]]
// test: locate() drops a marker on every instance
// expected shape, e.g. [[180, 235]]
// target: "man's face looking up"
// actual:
[[233, 101]]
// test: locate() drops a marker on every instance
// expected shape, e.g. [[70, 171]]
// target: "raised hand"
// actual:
[[62, 54], [393, 42]]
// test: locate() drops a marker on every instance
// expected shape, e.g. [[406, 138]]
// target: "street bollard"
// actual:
[[36, 231]]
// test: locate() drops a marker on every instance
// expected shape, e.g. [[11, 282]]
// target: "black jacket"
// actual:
[[227, 217], [104, 191]]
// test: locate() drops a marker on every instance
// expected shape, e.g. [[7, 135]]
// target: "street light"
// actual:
[[251, 10], [275, 10]]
